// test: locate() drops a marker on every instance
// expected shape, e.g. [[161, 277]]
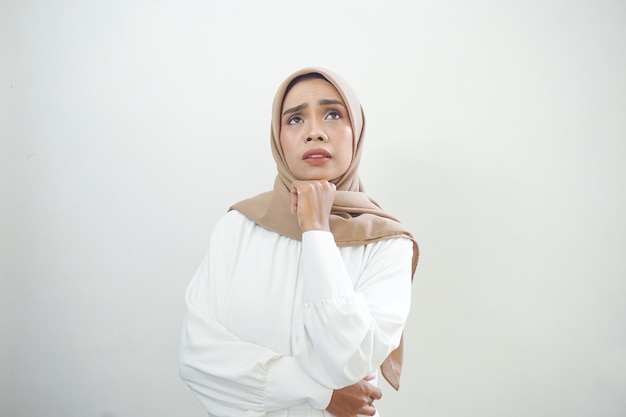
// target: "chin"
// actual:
[[320, 178]]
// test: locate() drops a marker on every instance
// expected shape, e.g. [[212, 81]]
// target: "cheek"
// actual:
[[287, 145], [282, 139]]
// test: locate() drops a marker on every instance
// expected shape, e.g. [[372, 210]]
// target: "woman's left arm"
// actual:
[[350, 327]]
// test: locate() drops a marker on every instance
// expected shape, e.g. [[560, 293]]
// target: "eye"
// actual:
[[333, 115], [294, 120]]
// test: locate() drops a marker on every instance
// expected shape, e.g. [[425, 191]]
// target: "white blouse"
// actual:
[[273, 324]]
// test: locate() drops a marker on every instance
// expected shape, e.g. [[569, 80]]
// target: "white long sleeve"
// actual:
[[353, 318], [275, 324]]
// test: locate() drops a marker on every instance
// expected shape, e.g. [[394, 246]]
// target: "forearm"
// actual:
[[352, 324]]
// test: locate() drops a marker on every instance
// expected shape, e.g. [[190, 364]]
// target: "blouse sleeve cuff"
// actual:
[[288, 385]]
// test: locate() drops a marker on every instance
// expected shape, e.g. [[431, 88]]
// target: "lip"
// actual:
[[317, 155]]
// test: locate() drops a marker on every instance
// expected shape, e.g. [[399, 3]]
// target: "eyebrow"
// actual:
[[321, 102], [296, 108], [326, 102]]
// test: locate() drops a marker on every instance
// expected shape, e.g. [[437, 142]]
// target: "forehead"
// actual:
[[311, 90]]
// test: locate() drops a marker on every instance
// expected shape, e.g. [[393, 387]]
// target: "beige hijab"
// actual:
[[355, 218]]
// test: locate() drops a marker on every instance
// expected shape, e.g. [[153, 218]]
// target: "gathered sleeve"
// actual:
[[350, 325], [230, 376]]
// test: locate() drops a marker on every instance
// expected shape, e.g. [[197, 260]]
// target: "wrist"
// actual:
[[311, 226]]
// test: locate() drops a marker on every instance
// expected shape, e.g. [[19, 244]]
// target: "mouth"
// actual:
[[316, 154]]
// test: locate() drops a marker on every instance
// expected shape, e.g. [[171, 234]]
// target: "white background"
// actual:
[[496, 132]]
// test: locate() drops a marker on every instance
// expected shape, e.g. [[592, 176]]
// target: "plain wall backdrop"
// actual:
[[496, 131]]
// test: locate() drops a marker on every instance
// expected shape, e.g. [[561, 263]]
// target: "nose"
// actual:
[[316, 133]]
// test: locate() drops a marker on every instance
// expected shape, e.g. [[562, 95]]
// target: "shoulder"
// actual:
[[231, 224], [232, 218], [229, 233], [396, 244], [235, 226], [391, 250]]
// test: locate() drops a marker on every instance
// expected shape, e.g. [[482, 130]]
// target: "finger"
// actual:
[[376, 393], [367, 410], [373, 392], [294, 201], [369, 377]]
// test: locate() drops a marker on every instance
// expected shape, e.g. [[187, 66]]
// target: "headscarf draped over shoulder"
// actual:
[[355, 218]]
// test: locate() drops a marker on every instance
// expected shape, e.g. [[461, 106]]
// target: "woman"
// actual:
[[305, 289]]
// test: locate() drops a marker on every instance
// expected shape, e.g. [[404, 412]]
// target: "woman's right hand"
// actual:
[[356, 399], [312, 202]]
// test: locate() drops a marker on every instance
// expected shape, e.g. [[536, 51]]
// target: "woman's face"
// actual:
[[315, 131]]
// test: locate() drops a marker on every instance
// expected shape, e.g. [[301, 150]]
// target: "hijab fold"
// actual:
[[355, 218]]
